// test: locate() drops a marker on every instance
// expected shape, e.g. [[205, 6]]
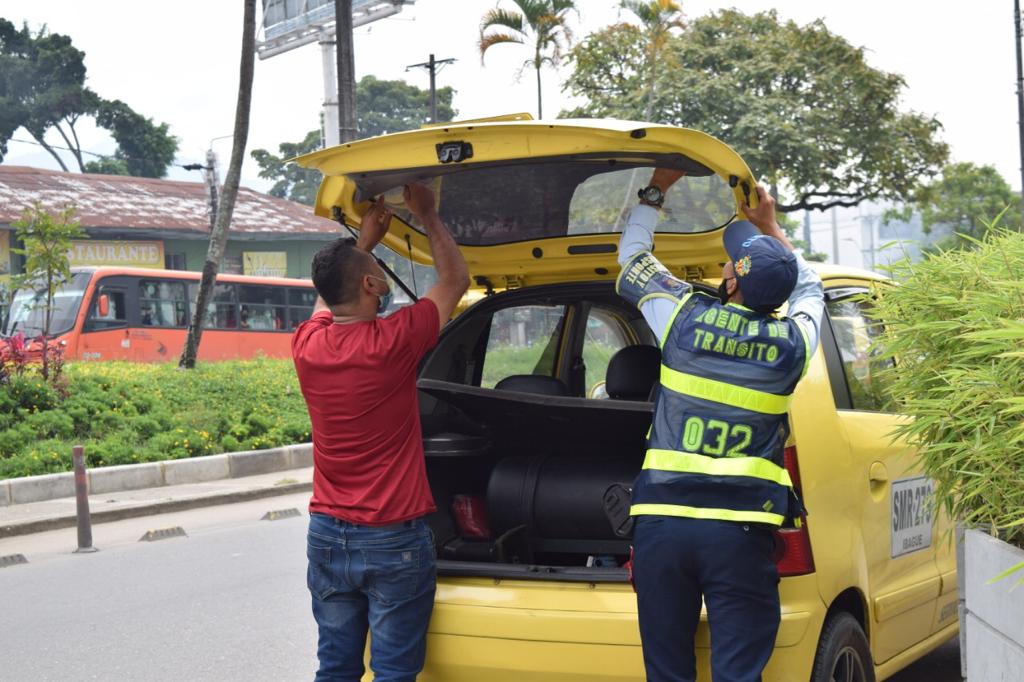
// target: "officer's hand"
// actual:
[[419, 199], [764, 215], [664, 178]]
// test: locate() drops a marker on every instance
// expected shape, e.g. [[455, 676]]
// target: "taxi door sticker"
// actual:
[[912, 514]]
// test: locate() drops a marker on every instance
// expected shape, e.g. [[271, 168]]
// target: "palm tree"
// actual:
[[545, 19], [658, 17]]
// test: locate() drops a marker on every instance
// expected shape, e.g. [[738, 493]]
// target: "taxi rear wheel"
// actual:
[[843, 654]]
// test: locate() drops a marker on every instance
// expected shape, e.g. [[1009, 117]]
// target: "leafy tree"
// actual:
[[107, 166], [42, 88], [390, 106], [542, 21], [46, 242], [382, 106], [292, 180], [798, 102], [966, 197]]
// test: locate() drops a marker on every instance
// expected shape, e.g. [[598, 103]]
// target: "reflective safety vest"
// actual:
[[715, 448]]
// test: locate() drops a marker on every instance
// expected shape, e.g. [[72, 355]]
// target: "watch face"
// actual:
[[652, 194]]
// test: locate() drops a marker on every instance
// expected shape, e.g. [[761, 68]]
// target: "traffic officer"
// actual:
[[713, 486]]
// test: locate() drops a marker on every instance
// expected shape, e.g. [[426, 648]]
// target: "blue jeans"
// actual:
[[376, 578], [676, 562]]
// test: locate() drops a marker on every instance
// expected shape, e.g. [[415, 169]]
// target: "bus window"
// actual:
[[300, 305], [261, 307], [222, 311], [28, 309], [161, 303], [117, 311]]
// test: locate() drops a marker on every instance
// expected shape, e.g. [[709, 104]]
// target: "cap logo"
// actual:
[[742, 266], [751, 240]]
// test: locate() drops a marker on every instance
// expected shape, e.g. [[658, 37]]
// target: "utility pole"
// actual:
[[1020, 92], [346, 70], [210, 173], [835, 236], [807, 232], [329, 116], [432, 66]]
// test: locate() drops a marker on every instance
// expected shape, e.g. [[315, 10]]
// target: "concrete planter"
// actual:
[[992, 618]]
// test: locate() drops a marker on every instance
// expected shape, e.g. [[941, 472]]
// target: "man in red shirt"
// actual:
[[371, 555]]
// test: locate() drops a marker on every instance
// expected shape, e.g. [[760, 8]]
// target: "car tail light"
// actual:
[[797, 558]]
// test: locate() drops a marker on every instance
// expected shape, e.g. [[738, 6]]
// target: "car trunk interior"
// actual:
[[520, 474]]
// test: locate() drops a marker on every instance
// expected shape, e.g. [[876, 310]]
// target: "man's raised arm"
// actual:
[[452, 273]]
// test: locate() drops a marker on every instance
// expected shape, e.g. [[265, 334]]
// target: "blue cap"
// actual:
[[766, 271]]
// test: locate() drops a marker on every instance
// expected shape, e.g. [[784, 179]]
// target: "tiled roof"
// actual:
[[126, 203]]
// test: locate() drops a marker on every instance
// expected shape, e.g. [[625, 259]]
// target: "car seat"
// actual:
[[633, 373]]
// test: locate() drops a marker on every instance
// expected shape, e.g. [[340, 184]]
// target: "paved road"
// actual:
[[228, 603]]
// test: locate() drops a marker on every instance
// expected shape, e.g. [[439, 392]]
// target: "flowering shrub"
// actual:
[[125, 413]]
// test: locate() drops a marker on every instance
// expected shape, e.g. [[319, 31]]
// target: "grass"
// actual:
[[124, 413]]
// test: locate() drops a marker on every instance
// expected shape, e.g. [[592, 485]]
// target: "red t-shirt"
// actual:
[[359, 381]]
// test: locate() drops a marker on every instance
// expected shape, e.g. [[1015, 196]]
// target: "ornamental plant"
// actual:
[[955, 329]]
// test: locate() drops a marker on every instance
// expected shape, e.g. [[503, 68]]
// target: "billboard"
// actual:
[[288, 24]]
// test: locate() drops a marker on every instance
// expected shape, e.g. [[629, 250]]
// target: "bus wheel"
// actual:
[[843, 654]]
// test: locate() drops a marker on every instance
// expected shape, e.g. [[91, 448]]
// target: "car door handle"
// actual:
[[878, 474]]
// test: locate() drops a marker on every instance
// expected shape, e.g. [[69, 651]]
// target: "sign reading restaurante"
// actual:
[[134, 254]]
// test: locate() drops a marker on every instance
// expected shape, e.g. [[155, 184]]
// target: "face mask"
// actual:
[[384, 300], [723, 292]]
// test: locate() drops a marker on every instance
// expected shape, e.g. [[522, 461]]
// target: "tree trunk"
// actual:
[[226, 203], [53, 152], [47, 316], [71, 146], [540, 107]]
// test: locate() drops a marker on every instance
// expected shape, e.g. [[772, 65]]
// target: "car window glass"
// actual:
[[854, 332], [222, 311], [602, 203], [602, 338], [117, 311], [161, 303], [262, 307], [522, 340]]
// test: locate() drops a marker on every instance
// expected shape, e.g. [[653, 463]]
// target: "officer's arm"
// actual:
[[644, 281], [807, 302]]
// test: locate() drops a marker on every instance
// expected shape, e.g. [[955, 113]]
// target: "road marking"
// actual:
[[163, 534], [281, 514], [12, 560]]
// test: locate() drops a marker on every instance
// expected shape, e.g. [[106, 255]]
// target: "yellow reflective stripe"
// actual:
[[702, 513], [672, 319], [721, 392], [692, 463]]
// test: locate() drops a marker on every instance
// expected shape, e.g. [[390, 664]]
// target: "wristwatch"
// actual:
[[652, 195]]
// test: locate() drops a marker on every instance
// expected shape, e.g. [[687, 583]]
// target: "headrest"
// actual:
[[632, 372], [533, 383]]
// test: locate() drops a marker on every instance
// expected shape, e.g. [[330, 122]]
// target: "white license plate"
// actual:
[[911, 515]]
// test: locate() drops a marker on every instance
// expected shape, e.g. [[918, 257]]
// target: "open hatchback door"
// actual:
[[537, 202]]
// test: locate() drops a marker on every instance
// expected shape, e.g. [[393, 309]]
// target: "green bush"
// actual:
[[955, 327], [123, 413]]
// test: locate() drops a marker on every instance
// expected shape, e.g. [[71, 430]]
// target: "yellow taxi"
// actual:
[[537, 398]]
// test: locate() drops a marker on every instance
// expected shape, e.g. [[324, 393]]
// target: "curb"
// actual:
[[157, 474], [152, 508]]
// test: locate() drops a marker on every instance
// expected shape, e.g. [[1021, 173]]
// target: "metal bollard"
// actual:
[[82, 502]]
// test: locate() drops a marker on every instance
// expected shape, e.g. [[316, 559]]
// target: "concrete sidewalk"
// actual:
[[34, 517]]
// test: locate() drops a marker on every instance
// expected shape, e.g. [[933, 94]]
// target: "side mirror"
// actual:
[[103, 306]]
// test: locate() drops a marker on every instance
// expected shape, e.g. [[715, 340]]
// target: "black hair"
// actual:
[[337, 269]]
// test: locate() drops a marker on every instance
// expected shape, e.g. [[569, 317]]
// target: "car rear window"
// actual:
[[491, 204]]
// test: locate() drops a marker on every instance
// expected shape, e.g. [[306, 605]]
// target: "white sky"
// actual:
[[177, 62]]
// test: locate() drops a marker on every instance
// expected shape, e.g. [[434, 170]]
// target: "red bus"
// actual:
[[117, 313]]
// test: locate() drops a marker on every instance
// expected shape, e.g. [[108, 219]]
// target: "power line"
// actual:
[[91, 154]]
